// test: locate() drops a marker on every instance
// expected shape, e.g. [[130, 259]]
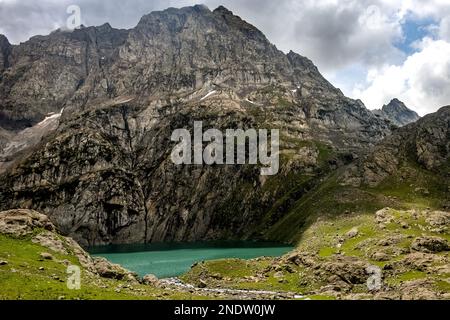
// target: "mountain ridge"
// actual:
[[398, 113], [104, 175]]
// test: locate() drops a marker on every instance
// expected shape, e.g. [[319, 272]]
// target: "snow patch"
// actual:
[[208, 95], [49, 118]]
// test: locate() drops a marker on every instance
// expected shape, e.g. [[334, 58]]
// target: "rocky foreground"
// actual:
[[335, 260], [394, 255], [34, 259]]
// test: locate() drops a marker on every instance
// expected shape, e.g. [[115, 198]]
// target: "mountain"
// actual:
[[424, 145], [398, 113], [408, 170], [102, 171], [386, 212]]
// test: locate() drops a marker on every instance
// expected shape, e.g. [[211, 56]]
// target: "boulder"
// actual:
[[22, 222], [350, 269], [46, 256], [430, 244], [352, 233], [150, 280], [110, 270]]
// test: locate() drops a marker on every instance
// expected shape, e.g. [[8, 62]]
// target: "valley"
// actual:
[[357, 209]]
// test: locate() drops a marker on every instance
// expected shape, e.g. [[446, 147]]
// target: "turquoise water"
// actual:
[[171, 260]]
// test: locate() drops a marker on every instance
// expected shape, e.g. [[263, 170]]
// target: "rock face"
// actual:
[[105, 174], [23, 222], [430, 245], [398, 113], [5, 51], [20, 223], [424, 143]]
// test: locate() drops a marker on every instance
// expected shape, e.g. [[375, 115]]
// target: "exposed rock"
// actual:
[[150, 279], [397, 112], [384, 216], [439, 221], [380, 256], [352, 233], [425, 141], [391, 240], [46, 256], [202, 284], [421, 261], [50, 240], [110, 270], [418, 290], [105, 175], [279, 275], [349, 269], [430, 244], [19, 223]]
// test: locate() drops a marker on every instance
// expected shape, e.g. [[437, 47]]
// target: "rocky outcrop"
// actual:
[[23, 222], [383, 261], [20, 223], [5, 51], [430, 245], [424, 143], [105, 174], [397, 113]]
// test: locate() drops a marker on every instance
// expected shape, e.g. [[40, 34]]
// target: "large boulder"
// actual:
[[350, 269], [430, 244], [110, 270], [23, 222]]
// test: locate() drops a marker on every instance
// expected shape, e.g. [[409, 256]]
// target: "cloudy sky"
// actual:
[[374, 50]]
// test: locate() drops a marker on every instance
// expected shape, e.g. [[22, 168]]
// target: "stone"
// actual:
[[116, 114], [430, 244], [278, 275], [202, 284], [150, 279], [3, 262], [22, 222], [380, 256], [352, 233], [110, 270], [349, 269], [46, 256]]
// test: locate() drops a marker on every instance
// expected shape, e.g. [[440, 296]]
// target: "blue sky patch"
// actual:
[[413, 30]]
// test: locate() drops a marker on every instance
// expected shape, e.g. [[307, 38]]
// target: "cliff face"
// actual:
[[398, 113], [105, 174], [424, 145]]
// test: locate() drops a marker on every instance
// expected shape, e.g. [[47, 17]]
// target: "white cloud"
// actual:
[[444, 29], [422, 81]]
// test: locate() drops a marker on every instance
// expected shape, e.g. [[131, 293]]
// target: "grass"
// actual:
[[22, 279], [321, 239]]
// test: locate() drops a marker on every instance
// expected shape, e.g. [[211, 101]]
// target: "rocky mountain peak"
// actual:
[[223, 10], [123, 93], [398, 113], [395, 106]]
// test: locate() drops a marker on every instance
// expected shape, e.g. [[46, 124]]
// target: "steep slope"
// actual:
[[398, 113], [408, 170], [37, 263], [105, 175], [385, 255], [425, 144]]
